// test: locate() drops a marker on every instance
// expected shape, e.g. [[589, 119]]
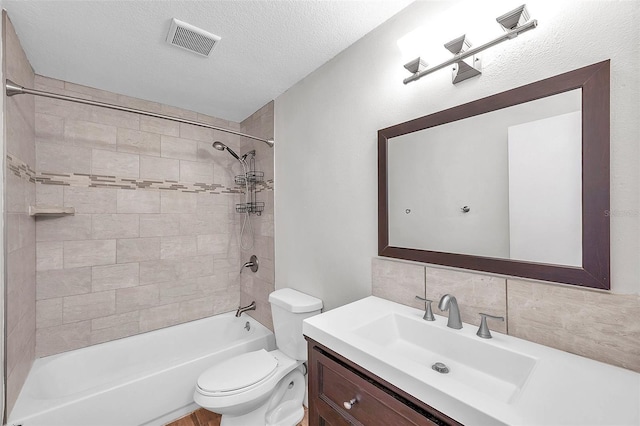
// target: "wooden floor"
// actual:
[[199, 417], [203, 417]]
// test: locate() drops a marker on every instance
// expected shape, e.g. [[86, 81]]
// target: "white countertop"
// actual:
[[562, 388]]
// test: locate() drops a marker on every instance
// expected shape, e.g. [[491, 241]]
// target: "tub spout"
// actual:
[[241, 309]]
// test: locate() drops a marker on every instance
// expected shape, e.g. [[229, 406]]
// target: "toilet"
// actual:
[[264, 388]]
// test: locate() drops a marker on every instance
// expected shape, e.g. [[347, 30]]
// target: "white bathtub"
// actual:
[[147, 379]]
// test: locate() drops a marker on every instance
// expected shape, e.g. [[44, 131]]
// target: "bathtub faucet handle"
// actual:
[[252, 263]]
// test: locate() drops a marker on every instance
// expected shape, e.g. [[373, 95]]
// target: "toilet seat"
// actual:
[[237, 374]]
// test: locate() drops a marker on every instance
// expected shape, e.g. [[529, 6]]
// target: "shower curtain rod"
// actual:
[[15, 89]]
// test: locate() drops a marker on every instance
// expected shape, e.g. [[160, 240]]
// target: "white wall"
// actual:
[[325, 128]]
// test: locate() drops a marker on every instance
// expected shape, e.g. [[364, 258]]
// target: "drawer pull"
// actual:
[[349, 404]]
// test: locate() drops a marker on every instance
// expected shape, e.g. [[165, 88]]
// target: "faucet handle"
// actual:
[[252, 264], [428, 312], [483, 330]]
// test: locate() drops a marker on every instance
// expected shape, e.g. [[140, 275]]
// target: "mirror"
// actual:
[[515, 184], [503, 184]]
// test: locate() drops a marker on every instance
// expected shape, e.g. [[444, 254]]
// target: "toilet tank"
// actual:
[[289, 308]]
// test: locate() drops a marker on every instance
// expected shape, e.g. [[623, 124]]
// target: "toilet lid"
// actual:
[[238, 372]]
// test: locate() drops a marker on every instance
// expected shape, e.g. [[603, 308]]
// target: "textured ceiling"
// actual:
[[266, 46]]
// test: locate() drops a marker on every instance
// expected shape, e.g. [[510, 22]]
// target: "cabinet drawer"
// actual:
[[374, 404], [327, 416]]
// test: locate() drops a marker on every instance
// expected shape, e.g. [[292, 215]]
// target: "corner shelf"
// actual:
[[51, 211]]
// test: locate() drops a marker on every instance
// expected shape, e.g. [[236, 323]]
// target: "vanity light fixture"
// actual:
[[466, 63]]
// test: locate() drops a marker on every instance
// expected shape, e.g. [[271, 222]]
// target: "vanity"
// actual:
[[371, 363], [344, 393]]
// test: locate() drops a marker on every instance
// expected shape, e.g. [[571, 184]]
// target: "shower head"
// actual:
[[221, 147]]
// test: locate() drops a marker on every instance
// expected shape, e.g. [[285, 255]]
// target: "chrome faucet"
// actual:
[[449, 303], [484, 331], [428, 313], [241, 309]]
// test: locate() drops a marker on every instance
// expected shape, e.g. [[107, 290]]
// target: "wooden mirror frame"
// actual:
[[595, 270]]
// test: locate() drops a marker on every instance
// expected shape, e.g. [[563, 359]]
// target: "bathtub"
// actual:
[[147, 379]]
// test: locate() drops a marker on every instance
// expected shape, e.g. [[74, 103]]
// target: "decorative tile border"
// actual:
[[22, 170], [266, 185], [102, 181]]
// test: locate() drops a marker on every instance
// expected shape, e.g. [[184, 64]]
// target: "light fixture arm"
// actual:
[[474, 51]]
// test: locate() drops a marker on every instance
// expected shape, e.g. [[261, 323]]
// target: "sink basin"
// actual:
[[472, 362]]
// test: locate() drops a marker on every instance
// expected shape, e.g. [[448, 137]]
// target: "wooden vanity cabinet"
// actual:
[[334, 380]]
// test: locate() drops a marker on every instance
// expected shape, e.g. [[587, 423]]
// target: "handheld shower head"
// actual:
[[221, 147]]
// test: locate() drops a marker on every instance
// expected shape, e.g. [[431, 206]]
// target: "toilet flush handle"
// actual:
[[349, 404]]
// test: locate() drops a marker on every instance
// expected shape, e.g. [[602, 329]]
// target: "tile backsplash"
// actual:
[[594, 324]]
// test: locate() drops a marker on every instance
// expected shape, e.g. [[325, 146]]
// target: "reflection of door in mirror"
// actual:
[[545, 190], [504, 184]]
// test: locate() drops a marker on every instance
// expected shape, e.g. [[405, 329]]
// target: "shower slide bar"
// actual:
[[15, 89]]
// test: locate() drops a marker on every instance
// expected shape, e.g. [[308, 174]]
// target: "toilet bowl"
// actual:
[[263, 388], [285, 407], [244, 385]]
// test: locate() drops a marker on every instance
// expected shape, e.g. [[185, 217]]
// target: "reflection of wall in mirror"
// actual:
[[436, 171], [545, 197]]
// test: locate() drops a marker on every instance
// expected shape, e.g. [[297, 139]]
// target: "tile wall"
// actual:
[[594, 324], [20, 238], [153, 242], [256, 287]]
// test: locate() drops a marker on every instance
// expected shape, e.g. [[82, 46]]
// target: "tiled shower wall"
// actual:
[[20, 239], [594, 324], [256, 287], [153, 240]]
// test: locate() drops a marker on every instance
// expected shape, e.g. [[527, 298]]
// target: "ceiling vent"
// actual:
[[193, 39]]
